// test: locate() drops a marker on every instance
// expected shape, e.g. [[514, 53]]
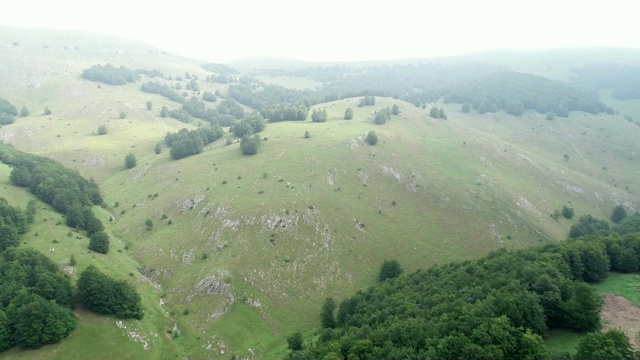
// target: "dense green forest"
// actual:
[[516, 92], [259, 95], [497, 307], [487, 88], [623, 80]]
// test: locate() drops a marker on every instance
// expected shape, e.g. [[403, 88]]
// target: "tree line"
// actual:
[[497, 307]]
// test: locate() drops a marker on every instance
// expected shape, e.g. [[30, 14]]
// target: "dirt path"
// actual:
[[620, 313]]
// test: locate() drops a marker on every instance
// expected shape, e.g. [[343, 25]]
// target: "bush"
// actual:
[[102, 130], [130, 161], [382, 116], [249, 145], [390, 269], [99, 242], [307, 135], [348, 114], [371, 138], [567, 212], [295, 342], [618, 214]]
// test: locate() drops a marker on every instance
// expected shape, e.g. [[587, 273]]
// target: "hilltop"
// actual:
[[243, 249]]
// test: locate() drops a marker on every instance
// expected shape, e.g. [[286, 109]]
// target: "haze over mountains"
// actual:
[[242, 250]]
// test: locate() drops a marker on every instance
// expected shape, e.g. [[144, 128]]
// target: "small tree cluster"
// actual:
[[382, 116], [567, 212], [106, 296], [130, 161], [283, 112], [249, 145], [371, 138], [7, 112], [348, 114], [618, 214], [110, 74], [367, 101], [186, 143], [390, 269], [251, 125], [209, 96], [437, 113], [318, 115], [99, 242]]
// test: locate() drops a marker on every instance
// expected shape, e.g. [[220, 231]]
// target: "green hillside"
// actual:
[[244, 249]]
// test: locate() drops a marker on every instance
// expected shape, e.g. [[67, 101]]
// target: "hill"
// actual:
[[243, 249]]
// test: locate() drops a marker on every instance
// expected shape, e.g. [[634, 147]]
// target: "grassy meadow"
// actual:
[[244, 249]]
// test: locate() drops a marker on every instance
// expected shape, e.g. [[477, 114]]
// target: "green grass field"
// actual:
[[627, 285], [244, 249]]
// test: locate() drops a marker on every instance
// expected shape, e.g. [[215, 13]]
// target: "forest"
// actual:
[[497, 307], [623, 80], [516, 92]]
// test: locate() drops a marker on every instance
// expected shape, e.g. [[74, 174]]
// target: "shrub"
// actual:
[[371, 138], [390, 269], [99, 242], [130, 161], [567, 212]]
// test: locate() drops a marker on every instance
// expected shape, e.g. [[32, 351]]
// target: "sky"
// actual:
[[339, 30]]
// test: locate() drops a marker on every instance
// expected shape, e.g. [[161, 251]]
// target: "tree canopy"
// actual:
[[191, 142], [35, 300], [8, 112], [109, 74], [516, 92], [497, 307], [104, 295]]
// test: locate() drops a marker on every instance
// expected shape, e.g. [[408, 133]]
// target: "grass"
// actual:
[[562, 341], [328, 212], [627, 285]]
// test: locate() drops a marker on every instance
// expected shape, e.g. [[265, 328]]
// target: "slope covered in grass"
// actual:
[[242, 249]]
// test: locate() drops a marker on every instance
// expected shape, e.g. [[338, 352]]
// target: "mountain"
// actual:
[[243, 250]]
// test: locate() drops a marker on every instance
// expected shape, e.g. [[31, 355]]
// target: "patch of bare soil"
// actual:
[[620, 313]]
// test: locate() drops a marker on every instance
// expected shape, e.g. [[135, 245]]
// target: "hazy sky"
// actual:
[[334, 30]]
